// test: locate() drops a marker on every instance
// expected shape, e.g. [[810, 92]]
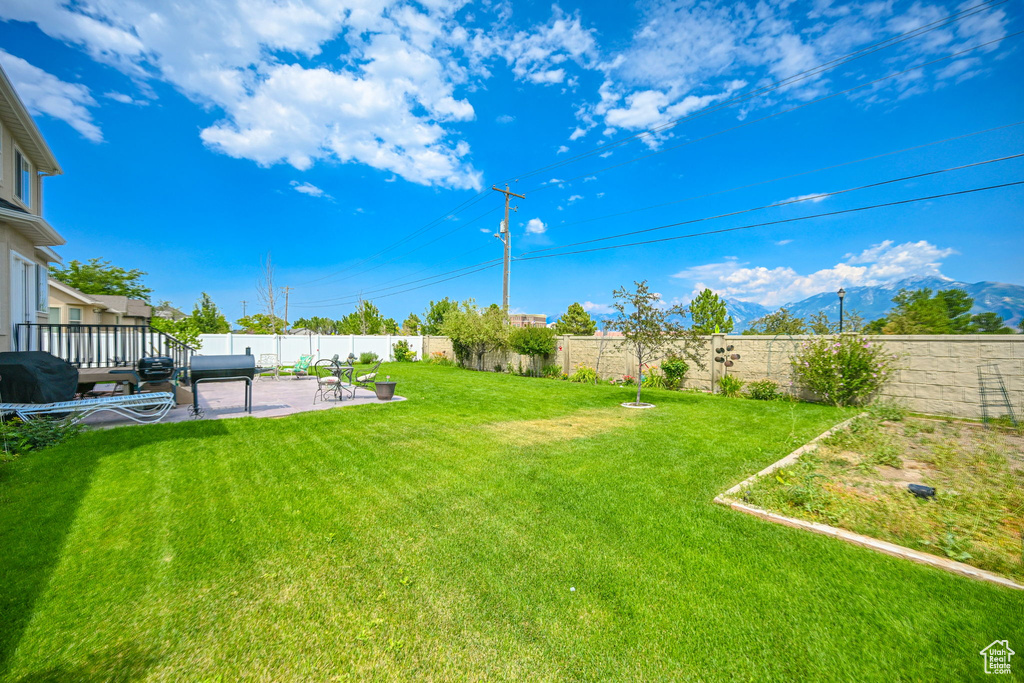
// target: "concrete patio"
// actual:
[[270, 398]]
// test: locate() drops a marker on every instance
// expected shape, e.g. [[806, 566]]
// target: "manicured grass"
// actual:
[[440, 538]]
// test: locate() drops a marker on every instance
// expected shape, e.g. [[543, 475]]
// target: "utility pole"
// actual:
[[287, 291], [506, 238], [244, 302]]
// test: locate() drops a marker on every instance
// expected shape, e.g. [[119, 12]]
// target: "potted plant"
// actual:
[[385, 390]]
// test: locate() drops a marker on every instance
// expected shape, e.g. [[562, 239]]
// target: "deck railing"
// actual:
[[100, 346]]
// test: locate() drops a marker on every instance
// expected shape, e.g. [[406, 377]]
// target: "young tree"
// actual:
[[99, 277], [708, 314], [433, 318], [576, 321], [411, 326], [390, 326], [779, 322], [261, 323], [648, 331], [366, 319], [474, 332], [184, 330], [208, 318], [536, 342], [820, 324], [317, 324], [267, 293]]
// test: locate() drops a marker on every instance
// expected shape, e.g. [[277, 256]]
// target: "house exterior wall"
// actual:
[[12, 240], [938, 373], [63, 302], [7, 146]]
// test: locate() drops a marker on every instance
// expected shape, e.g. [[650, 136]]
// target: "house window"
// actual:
[[42, 288], [74, 315], [22, 178], [54, 315]]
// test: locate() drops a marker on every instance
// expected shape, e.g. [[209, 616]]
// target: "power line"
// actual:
[[781, 221], [815, 197], [825, 168]]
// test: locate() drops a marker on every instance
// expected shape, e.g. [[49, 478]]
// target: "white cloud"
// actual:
[[782, 243], [881, 263], [575, 197], [125, 99], [309, 189], [589, 178], [44, 93], [485, 231], [536, 226], [505, 118], [591, 307], [809, 198], [562, 149]]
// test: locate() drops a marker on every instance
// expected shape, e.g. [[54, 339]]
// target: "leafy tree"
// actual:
[[648, 331], [207, 317], [820, 324], [474, 332], [100, 277], [779, 322], [390, 326], [261, 323], [365, 320], [185, 330], [1020, 325], [708, 313], [919, 312], [536, 342], [317, 324], [989, 323], [411, 326], [576, 321], [433, 318]]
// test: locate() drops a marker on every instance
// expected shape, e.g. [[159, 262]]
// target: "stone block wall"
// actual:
[[938, 375]]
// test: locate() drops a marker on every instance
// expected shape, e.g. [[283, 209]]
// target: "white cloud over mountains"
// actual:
[[879, 264]]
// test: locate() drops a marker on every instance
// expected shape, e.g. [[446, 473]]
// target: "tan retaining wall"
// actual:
[[938, 375]]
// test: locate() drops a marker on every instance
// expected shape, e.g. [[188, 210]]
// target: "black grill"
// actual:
[[155, 368], [222, 368]]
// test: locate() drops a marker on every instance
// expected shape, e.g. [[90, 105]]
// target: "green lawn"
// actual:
[[440, 538]]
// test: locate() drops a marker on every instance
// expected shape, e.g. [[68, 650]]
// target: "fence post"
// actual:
[[717, 341]]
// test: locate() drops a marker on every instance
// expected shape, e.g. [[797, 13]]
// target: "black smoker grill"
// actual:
[[222, 369]]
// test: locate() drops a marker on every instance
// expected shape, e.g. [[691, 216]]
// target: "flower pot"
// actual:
[[385, 390]]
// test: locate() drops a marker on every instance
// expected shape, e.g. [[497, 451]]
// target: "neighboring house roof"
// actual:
[[70, 291], [169, 312], [122, 305], [19, 122]]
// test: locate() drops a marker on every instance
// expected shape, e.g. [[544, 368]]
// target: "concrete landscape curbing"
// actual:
[[848, 536]]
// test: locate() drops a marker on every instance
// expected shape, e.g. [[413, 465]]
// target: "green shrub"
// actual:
[[584, 375], [536, 342], [675, 369], [552, 371], [403, 352], [844, 371], [654, 379], [730, 386], [628, 381], [367, 357], [21, 437], [440, 358], [763, 389]]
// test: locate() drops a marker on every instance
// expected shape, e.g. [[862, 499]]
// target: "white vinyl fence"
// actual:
[[289, 347]]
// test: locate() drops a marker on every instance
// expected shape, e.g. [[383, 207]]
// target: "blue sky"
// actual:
[[196, 137]]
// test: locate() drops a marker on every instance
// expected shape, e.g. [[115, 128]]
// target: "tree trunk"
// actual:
[[638, 387]]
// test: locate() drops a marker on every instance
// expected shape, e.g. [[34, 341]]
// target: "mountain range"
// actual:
[[874, 302]]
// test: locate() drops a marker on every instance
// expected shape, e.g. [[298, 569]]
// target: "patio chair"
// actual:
[[366, 380], [141, 408], [269, 364], [332, 378], [301, 367]]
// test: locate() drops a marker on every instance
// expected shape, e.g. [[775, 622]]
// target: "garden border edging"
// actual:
[[842, 534]]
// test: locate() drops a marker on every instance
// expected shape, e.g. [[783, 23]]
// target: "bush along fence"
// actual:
[[934, 374]]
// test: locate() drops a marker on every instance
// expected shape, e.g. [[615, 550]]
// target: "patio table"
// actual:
[[343, 372]]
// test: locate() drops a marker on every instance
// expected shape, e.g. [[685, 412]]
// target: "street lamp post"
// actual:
[[842, 294]]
